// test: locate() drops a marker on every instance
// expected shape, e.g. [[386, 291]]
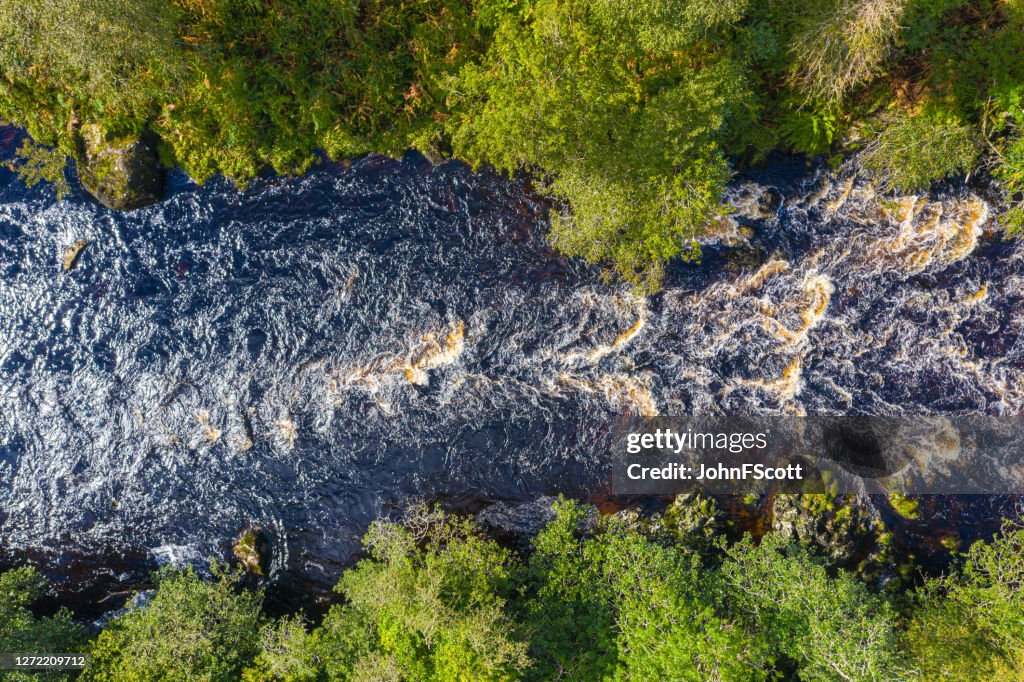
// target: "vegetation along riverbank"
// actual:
[[632, 115], [616, 598]]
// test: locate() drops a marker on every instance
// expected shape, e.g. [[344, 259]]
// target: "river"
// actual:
[[312, 353]]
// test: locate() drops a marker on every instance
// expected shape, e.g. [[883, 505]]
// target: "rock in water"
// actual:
[[517, 524], [123, 174], [72, 253], [251, 549]]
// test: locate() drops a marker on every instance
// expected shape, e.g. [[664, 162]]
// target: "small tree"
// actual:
[[22, 632], [845, 46], [192, 630]]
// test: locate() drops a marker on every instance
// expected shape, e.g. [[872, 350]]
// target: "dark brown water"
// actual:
[[311, 354]]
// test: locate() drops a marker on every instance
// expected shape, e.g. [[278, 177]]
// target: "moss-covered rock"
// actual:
[[251, 549], [903, 505], [845, 529], [122, 173], [691, 520], [839, 526]]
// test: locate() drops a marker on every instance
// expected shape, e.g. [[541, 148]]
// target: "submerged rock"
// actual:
[[123, 174]]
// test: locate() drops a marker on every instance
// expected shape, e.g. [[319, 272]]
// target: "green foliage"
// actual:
[[622, 105], [971, 624], [810, 132], [43, 164], [192, 630], [1010, 172], [64, 60], [843, 44], [22, 632], [435, 601], [903, 505], [907, 153], [436, 613], [827, 628], [630, 114], [617, 606]]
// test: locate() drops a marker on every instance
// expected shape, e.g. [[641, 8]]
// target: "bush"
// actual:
[[844, 46], [192, 630], [22, 632], [1010, 172], [970, 625], [907, 153], [43, 164]]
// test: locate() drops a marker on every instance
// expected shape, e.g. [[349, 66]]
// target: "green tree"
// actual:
[[24, 633], [429, 604], [970, 625], [616, 606], [621, 106], [821, 627], [192, 630]]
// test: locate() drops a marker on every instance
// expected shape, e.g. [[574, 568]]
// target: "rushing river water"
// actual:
[[311, 353]]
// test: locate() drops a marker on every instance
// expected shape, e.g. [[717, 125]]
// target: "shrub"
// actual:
[[22, 632], [192, 630], [1010, 172], [844, 46], [43, 164], [907, 153]]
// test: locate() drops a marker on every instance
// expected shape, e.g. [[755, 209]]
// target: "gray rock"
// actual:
[[72, 253], [518, 524]]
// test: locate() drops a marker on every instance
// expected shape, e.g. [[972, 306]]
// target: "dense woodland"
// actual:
[[631, 114], [436, 601]]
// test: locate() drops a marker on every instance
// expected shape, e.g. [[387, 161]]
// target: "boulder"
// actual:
[[846, 530], [123, 174], [518, 524], [72, 253], [691, 520], [839, 526]]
